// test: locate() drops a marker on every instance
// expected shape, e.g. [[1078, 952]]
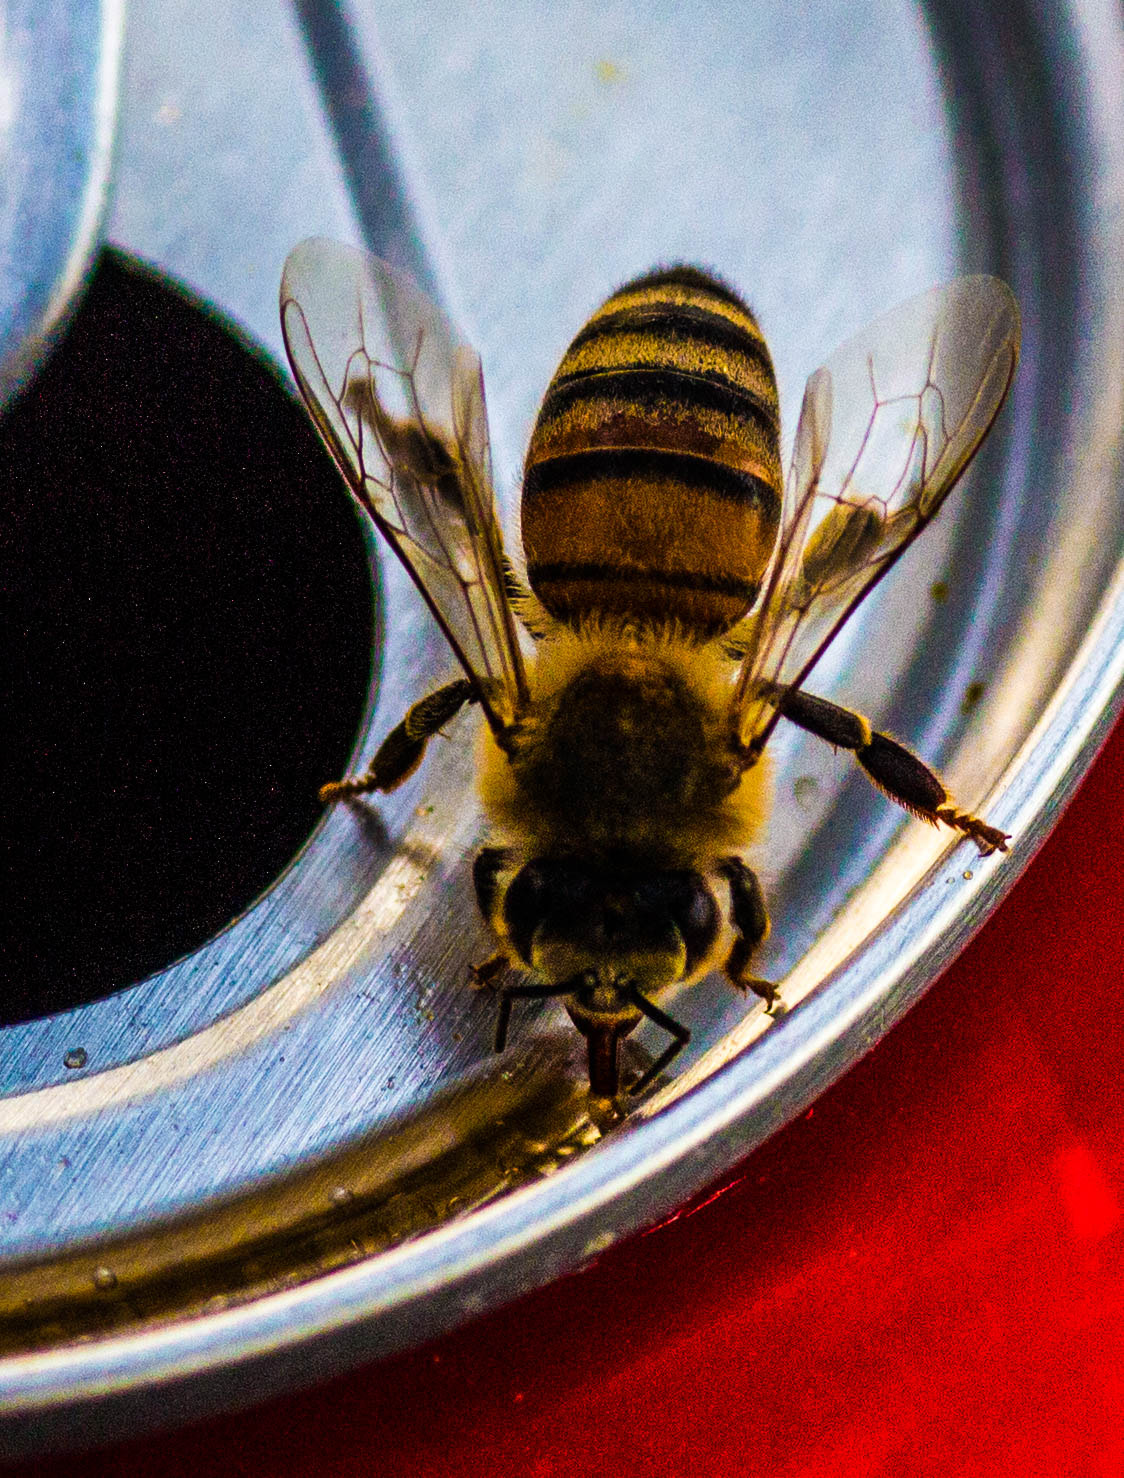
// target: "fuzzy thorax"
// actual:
[[625, 751]]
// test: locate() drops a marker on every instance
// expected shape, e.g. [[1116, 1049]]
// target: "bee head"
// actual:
[[609, 924]]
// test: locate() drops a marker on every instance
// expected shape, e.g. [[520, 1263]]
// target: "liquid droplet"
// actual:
[[76, 1057], [105, 1278]]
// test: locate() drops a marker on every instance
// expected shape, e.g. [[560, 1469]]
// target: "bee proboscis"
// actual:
[[674, 597]]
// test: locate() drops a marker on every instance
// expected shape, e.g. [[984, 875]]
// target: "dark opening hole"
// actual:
[[187, 617]]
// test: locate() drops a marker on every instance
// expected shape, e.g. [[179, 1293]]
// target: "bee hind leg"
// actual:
[[895, 770], [400, 753]]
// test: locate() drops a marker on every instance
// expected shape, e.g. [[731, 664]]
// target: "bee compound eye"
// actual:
[[684, 900], [559, 893], [189, 612]]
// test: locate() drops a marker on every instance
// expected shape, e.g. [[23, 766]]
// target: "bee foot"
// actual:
[[763, 988], [338, 790], [988, 839], [483, 976]]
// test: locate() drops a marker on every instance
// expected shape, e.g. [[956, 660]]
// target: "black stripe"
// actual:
[[616, 575], [683, 275], [638, 463], [682, 323], [653, 387]]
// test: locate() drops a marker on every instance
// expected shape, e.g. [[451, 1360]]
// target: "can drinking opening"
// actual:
[[186, 601]]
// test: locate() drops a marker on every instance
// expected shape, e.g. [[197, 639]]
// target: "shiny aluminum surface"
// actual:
[[59, 64], [294, 1148]]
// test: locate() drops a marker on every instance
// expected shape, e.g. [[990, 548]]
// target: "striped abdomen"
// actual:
[[652, 485]]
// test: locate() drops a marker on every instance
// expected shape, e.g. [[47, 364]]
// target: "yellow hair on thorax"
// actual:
[[705, 670]]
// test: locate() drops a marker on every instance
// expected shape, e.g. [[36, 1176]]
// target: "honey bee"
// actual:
[[676, 594]]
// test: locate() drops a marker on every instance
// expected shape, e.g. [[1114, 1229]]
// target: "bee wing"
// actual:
[[399, 402], [887, 427]]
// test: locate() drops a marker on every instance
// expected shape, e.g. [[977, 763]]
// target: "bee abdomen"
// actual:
[[653, 482]]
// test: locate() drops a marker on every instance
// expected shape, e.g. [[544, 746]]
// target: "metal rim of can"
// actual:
[[62, 68]]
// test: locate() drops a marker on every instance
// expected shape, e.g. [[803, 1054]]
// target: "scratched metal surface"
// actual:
[[295, 1148], [59, 66]]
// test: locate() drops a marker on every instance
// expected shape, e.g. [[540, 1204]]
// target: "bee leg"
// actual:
[[675, 1029], [400, 753], [522, 993], [895, 769], [751, 923]]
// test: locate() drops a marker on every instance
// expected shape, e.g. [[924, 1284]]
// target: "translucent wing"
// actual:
[[399, 401], [888, 425]]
